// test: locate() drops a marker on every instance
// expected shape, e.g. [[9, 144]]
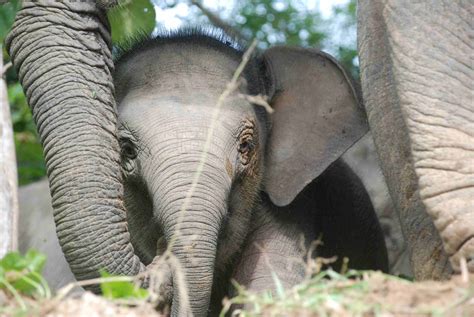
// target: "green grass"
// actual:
[[21, 276], [326, 290], [355, 293], [21, 280], [326, 293]]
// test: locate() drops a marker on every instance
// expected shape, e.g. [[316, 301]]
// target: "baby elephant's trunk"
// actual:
[[191, 214]]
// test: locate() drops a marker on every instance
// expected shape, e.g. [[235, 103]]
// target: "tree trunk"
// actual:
[[8, 175]]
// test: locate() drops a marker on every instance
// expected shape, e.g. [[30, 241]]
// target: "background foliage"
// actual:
[[272, 22]]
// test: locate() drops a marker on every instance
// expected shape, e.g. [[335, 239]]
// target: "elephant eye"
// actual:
[[244, 146], [128, 150], [246, 141], [245, 149]]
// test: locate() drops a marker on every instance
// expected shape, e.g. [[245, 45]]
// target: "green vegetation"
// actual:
[[121, 289], [358, 293], [130, 18], [286, 22], [22, 282], [23, 274], [24, 292], [20, 276], [324, 291], [279, 22]]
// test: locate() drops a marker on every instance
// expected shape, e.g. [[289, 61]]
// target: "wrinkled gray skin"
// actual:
[[167, 92], [417, 74], [36, 224], [36, 231], [165, 111], [65, 66]]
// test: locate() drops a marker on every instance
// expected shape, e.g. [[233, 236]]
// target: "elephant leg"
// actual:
[[416, 74], [347, 220]]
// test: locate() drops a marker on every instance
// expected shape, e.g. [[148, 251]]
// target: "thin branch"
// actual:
[[258, 100], [9, 211], [218, 22]]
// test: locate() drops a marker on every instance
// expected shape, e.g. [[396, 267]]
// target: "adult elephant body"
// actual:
[[205, 173], [417, 74], [36, 231]]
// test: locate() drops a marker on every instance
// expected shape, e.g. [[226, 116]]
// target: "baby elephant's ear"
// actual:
[[317, 117]]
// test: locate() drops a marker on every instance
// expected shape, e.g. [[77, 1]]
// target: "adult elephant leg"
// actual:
[[415, 73], [61, 50]]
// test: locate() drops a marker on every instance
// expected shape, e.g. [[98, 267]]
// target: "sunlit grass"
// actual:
[[356, 293]]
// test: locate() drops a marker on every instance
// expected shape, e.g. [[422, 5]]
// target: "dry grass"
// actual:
[[325, 294], [361, 294]]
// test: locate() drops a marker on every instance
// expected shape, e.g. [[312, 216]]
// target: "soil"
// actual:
[[387, 297], [404, 298]]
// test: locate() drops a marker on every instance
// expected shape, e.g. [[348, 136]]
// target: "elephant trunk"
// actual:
[[191, 214], [61, 50]]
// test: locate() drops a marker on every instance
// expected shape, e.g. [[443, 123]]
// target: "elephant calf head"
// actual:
[[194, 164]]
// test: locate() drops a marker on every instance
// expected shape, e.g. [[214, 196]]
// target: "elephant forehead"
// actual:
[[172, 117], [170, 133], [188, 103]]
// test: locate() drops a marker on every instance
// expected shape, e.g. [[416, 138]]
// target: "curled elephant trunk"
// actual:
[[64, 64], [191, 215]]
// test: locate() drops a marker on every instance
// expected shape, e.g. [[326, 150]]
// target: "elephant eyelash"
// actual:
[[128, 150], [246, 147], [246, 141], [249, 143], [130, 136], [129, 131]]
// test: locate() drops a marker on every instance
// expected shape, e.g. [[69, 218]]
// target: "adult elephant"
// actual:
[[69, 42], [417, 75]]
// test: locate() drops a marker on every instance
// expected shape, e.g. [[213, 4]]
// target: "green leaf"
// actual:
[[131, 18], [35, 261], [13, 261], [29, 154], [121, 289], [7, 16], [23, 272]]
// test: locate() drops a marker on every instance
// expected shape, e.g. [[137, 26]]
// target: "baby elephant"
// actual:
[[232, 190]]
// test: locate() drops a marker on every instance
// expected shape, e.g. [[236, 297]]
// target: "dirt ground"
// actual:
[[454, 298], [385, 296]]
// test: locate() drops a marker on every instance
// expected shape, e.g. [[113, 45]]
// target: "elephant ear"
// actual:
[[317, 117]]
